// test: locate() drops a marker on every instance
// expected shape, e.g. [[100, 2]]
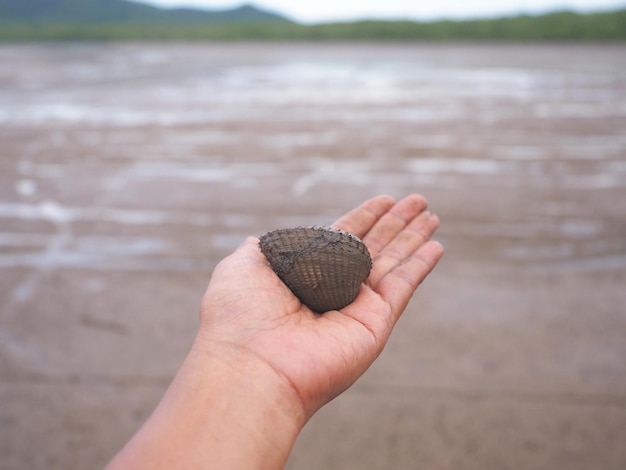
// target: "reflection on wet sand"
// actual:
[[128, 171]]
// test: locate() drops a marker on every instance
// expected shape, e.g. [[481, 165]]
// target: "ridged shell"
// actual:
[[323, 266]]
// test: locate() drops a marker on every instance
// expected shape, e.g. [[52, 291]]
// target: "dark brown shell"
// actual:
[[323, 266]]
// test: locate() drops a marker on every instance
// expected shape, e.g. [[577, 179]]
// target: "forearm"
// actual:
[[224, 410]]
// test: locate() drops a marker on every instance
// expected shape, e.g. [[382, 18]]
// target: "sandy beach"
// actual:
[[129, 170]]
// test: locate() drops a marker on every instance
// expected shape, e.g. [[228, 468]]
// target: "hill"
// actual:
[[124, 11], [122, 20]]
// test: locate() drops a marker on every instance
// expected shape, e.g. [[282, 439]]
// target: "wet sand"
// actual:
[[128, 171]]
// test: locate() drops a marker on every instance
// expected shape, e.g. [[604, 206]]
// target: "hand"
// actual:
[[247, 311], [263, 363]]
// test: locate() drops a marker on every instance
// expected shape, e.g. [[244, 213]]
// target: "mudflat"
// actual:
[[129, 170]]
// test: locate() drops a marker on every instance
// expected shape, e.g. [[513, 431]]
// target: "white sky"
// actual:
[[312, 11]]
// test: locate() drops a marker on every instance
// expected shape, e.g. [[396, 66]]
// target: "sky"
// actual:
[[348, 10]]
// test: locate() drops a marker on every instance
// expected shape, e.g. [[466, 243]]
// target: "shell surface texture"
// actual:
[[323, 266]]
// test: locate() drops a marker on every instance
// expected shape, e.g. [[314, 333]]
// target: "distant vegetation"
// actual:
[[558, 26], [40, 12]]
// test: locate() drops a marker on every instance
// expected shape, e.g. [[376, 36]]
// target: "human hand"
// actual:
[[263, 363], [248, 312]]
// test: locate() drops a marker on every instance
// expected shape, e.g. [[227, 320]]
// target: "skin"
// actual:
[[262, 363]]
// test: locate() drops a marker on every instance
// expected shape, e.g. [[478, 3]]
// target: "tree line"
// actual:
[[557, 26]]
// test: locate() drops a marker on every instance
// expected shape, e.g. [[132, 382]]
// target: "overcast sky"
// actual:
[[330, 10]]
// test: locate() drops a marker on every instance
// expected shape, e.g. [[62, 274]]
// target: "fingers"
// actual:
[[393, 222], [402, 253], [398, 285], [359, 221], [406, 242], [395, 290]]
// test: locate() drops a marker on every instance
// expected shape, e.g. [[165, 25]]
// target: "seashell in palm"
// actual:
[[323, 266]]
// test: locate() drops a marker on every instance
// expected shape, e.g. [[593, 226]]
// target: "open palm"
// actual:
[[247, 308]]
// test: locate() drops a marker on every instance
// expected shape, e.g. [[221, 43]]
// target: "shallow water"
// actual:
[[302, 119]]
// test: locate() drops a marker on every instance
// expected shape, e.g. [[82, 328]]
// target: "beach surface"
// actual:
[[127, 171]]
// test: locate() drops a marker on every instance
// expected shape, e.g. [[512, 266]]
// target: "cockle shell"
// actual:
[[323, 266]]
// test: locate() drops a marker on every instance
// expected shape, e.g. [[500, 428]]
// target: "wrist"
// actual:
[[225, 409], [252, 372], [256, 409]]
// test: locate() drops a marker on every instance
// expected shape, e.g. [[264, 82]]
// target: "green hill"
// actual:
[[123, 11], [121, 20]]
